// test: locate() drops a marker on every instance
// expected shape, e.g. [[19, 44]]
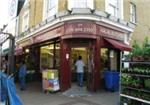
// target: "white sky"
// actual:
[[3, 12]]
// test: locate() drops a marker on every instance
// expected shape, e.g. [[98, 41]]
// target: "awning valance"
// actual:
[[18, 51], [119, 45]]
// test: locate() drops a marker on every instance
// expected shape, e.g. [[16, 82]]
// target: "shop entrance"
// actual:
[[70, 50], [75, 53], [86, 54]]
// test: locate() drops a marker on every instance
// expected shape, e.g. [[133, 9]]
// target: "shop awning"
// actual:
[[119, 45], [18, 51]]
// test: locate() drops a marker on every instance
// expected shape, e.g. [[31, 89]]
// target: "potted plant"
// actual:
[[146, 49], [137, 70], [136, 52]]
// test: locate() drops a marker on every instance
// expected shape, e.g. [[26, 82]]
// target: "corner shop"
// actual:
[[66, 40]]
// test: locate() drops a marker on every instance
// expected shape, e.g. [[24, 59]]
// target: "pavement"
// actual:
[[34, 95]]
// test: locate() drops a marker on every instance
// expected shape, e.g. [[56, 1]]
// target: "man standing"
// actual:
[[80, 70], [22, 75]]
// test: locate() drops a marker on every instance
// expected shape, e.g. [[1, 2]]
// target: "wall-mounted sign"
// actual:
[[80, 27], [110, 33], [25, 43], [89, 28], [48, 35], [12, 8]]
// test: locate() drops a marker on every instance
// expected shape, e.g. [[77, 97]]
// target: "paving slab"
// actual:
[[34, 95]]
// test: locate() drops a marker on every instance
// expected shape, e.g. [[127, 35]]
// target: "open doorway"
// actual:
[[87, 57], [75, 53]]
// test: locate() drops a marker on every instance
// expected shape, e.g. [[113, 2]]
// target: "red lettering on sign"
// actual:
[[84, 28]]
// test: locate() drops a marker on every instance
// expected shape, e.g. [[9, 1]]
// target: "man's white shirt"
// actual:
[[80, 66]]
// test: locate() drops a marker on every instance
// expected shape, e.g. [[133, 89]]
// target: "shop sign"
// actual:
[[48, 35], [111, 33], [25, 43], [84, 28]]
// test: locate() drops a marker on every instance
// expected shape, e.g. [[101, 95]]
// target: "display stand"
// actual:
[[50, 80], [135, 83]]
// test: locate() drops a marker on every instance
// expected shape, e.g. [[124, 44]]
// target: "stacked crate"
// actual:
[[50, 80]]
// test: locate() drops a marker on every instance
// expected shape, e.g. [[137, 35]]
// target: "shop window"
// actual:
[[25, 23], [113, 60], [47, 54], [105, 59], [80, 4], [50, 8], [110, 59], [114, 7], [57, 56], [50, 56], [132, 13]]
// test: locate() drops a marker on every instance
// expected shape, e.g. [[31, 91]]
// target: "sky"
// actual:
[[3, 12]]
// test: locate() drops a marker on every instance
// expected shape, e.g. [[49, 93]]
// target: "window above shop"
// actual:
[[80, 4], [127, 38], [25, 21], [132, 12], [26, 2], [114, 7], [50, 8]]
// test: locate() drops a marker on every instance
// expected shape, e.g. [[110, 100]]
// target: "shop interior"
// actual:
[[109, 62], [75, 53], [49, 57], [38, 58], [110, 59]]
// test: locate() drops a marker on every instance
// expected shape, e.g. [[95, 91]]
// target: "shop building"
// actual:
[[56, 41]]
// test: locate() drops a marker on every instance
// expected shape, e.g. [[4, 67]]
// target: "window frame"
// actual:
[[25, 22], [115, 8], [48, 12], [118, 8], [88, 4], [55, 64], [26, 2], [50, 6], [133, 17]]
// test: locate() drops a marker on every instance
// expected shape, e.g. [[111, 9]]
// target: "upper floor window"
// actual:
[[114, 7], [132, 12], [25, 22], [26, 1], [80, 4], [50, 8]]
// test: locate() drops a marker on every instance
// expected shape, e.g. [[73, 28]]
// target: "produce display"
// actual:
[[135, 84], [136, 70], [50, 80]]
